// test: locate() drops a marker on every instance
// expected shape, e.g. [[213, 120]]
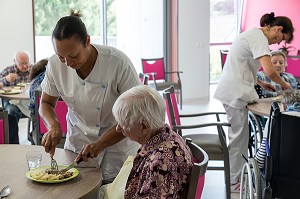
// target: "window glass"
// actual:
[[48, 12], [133, 26], [223, 30]]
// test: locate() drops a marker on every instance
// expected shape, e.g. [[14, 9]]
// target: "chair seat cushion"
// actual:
[[209, 142]]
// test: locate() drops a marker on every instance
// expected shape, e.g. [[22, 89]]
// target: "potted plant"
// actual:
[[285, 48]]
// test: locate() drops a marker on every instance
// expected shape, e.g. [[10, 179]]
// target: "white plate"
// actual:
[[12, 92]]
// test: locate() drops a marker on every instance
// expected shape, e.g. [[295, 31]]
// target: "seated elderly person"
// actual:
[[162, 165], [278, 59], [36, 76]]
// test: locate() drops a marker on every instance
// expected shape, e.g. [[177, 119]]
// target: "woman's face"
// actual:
[[277, 35], [278, 63], [135, 132], [71, 52]]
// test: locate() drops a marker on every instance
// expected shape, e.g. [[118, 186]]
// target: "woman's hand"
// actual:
[[88, 151], [286, 86], [51, 139], [268, 86]]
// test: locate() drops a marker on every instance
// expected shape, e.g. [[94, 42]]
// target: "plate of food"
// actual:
[[10, 92], [22, 84], [44, 174]]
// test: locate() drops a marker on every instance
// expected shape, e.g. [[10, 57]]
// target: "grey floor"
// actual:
[[214, 185]]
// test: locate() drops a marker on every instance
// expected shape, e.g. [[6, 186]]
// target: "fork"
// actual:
[[54, 164]]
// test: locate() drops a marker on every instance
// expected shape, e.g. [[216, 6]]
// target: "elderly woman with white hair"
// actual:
[[162, 165], [278, 60]]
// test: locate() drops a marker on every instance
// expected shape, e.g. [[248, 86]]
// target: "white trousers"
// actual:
[[238, 135]]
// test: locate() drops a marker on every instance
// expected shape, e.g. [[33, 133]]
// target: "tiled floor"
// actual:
[[214, 185]]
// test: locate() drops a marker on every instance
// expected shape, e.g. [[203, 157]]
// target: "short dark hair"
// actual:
[[269, 19], [70, 26], [37, 68]]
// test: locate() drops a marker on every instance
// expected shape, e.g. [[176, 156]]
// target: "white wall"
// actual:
[[194, 48], [16, 29]]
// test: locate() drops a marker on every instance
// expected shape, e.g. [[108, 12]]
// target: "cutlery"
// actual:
[[5, 191], [54, 165], [73, 165]]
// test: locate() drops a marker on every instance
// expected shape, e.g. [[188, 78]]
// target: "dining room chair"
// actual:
[[61, 110], [4, 128], [223, 54], [159, 78], [213, 143], [144, 78], [200, 159]]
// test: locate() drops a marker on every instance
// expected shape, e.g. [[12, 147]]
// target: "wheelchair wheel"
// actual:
[[250, 181], [255, 133]]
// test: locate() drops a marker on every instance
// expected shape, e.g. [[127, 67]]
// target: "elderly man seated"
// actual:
[[162, 165], [11, 76], [278, 59]]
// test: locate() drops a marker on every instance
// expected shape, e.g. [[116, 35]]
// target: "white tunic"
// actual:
[[90, 103], [236, 85]]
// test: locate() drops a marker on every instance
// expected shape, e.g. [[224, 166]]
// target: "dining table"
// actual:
[[13, 167], [22, 95]]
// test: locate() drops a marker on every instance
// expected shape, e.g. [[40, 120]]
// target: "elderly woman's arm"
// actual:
[[109, 138]]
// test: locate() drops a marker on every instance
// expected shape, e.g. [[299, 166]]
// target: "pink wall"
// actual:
[[254, 9]]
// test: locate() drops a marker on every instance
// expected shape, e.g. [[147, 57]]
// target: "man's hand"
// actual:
[[51, 139], [11, 77]]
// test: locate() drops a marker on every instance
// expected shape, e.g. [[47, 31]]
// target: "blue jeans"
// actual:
[[14, 115]]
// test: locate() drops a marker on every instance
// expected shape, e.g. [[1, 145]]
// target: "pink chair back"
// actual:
[[293, 64], [175, 106], [4, 128], [223, 57], [200, 159], [154, 66], [61, 111], [2, 136], [172, 107]]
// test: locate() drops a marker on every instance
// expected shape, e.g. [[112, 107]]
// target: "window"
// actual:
[[223, 29], [133, 26]]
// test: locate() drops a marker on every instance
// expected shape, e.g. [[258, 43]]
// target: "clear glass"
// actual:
[[34, 159]]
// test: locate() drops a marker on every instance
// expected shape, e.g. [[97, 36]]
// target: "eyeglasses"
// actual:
[[23, 63]]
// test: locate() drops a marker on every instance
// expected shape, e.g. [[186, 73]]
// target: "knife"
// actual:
[[73, 165]]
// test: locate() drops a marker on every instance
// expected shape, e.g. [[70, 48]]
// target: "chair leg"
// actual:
[[227, 174]]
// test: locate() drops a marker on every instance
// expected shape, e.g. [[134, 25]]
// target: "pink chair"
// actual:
[[198, 170], [293, 64], [61, 111], [160, 78], [214, 144], [4, 132], [223, 54], [144, 78]]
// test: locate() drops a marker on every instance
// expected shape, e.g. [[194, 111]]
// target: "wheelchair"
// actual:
[[279, 176]]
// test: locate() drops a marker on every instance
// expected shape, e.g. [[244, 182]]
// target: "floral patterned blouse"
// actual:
[[161, 168]]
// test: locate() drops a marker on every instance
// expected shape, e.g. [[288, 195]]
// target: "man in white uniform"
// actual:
[[89, 78], [248, 53]]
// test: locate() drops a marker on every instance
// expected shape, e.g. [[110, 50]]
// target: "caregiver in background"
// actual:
[[249, 51]]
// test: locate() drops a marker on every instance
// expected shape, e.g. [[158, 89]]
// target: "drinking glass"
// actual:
[[34, 159]]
